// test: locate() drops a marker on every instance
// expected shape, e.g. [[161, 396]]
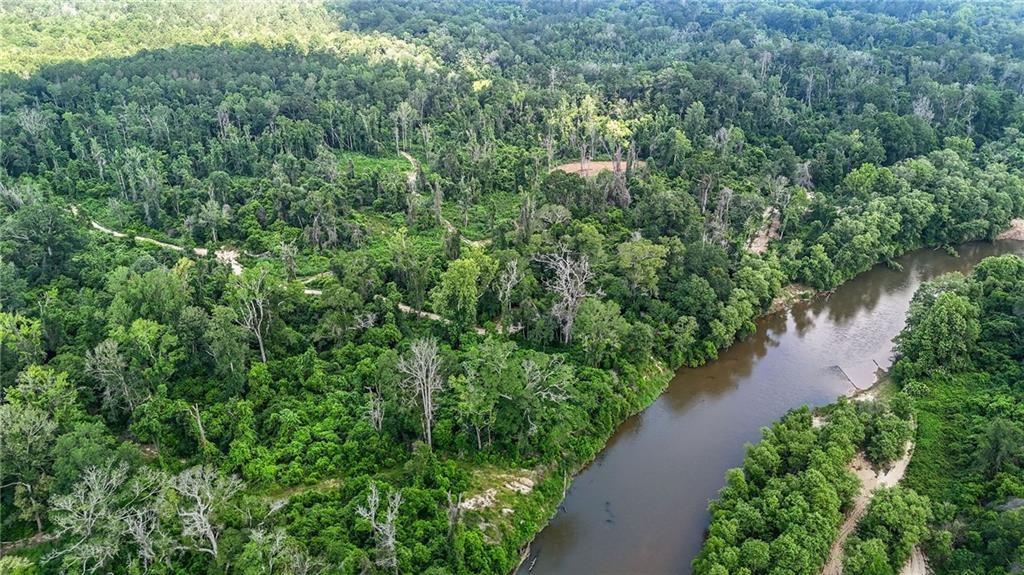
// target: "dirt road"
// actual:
[[869, 482]]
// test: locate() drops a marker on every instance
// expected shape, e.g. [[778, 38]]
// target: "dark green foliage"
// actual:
[[896, 520], [784, 506], [284, 146], [969, 458]]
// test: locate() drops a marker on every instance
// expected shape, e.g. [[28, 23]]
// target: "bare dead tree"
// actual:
[[203, 493], [375, 410], [706, 183], [718, 226], [98, 157], [273, 547], [509, 278], [437, 199], [90, 518], [383, 528], [571, 275], [923, 108], [542, 384], [454, 511], [142, 522], [288, 253], [298, 562], [365, 320], [540, 381], [193, 410], [809, 78], [142, 526], [107, 366], [254, 306], [524, 223], [765, 59], [803, 175], [404, 114], [422, 370]]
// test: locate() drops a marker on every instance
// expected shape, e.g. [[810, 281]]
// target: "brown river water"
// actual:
[[641, 506]]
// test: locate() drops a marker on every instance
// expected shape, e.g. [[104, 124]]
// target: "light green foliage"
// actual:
[[600, 330], [945, 335], [899, 517], [867, 557], [640, 262], [121, 28], [14, 565], [784, 506], [456, 294]]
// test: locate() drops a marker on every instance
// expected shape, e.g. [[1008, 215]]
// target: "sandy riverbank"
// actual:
[[1014, 232]]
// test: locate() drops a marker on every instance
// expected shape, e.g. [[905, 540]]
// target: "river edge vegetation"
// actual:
[[781, 511], [961, 362], [163, 413], [958, 376]]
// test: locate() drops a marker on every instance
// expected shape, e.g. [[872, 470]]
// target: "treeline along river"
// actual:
[[641, 507]]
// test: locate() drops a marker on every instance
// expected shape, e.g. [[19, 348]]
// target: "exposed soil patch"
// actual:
[[771, 223], [229, 257], [790, 295], [870, 480], [504, 484], [1014, 232], [593, 168], [481, 501], [410, 176], [917, 564], [521, 485], [37, 539]]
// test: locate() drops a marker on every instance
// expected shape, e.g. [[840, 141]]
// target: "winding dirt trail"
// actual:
[[769, 231], [917, 564], [434, 317], [224, 255], [869, 482], [229, 256], [410, 178]]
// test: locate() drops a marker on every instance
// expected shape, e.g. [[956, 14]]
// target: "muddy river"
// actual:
[[641, 506]]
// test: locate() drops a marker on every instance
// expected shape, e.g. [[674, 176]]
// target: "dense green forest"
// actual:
[[304, 287], [961, 361]]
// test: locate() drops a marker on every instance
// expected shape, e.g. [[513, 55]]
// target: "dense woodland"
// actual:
[[961, 362], [421, 308]]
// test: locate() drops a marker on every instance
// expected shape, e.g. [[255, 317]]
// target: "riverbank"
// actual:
[[1014, 232], [789, 296], [627, 513]]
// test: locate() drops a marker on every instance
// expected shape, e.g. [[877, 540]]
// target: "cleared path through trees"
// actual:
[[870, 480], [229, 257]]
